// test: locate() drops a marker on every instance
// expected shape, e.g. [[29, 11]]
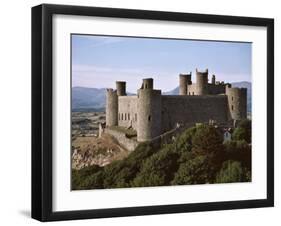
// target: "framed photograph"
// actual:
[[145, 112]]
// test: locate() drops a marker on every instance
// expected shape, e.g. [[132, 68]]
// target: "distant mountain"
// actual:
[[83, 97], [174, 91], [93, 98]]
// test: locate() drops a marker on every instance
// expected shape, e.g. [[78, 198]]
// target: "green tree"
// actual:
[[207, 140], [243, 131], [196, 170], [239, 151], [159, 169], [94, 181], [231, 171], [80, 178], [184, 141]]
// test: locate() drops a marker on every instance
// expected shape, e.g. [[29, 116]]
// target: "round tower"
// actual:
[[147, 83], [237, 102], [213, 79], [149, 112], [183, 84], [201, 82], [111, 107], [121, 88], [184, 80]]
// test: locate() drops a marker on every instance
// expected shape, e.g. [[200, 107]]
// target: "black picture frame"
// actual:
[[42, 111]]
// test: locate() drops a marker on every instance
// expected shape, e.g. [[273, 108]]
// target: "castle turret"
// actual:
[[201, 82], [213, 79], [149, 112], [185, 80], [147, 83], [121, 88], [111, 107], [237, 102]]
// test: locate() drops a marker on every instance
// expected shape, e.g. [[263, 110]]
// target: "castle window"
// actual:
[[149, 118], [125, 116], [193, 93], [232, 108], [122, 116], [128, 116], [232, 98], [135, 117]]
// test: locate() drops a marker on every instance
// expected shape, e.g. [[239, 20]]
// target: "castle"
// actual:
[[151, 114]]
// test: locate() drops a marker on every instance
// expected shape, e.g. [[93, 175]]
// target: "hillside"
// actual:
[[83, 97], [197, 156]]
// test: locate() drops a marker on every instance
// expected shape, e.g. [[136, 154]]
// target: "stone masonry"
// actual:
[[151, 114]]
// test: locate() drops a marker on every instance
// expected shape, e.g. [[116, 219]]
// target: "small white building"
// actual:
[[226, 136]]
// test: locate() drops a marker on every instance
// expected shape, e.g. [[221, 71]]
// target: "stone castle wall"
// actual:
[[125, 142], [127, 111], [151, 114], [210, 89], [193, 109]]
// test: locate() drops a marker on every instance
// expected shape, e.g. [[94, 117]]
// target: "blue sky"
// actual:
[[98, 61]]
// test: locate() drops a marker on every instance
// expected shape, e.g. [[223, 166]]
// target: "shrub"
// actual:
[[197, 156], [158, 169], [79, 177], [194, 171], [231, 171], [243, 131], [207, 140], [184, 142], [239, 151]]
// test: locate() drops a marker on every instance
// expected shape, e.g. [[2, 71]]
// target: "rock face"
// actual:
[[129, 144], [88, 151]]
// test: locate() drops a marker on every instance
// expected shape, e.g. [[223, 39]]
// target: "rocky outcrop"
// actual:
[[88, 151]]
